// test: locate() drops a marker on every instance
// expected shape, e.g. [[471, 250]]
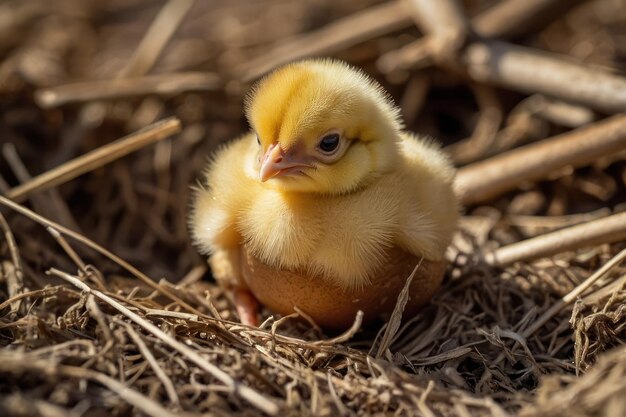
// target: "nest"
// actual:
[[529, 321]]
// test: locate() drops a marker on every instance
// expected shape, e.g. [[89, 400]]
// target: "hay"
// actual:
[[133, 324]]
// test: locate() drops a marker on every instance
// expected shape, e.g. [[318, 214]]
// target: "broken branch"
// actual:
[[605, 230], [487, 179], [96, 158], [163, 84], [333, 37]]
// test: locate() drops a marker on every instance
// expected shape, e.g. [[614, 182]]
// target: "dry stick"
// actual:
[[486, 130], [518, 68], [96, 158], [574, 294], [445, 24], [606, 230], [49, 203], [488, 178], [533, 71], [93, 245], [150, 48], [14, 274], [68, 249], [247, 393], [338, 35], [396, 316], [438, 16], [158, 371], [4, 185], [134, 398], [566, 300], [512, 17], [158, 35], [163, 84], [516, 14]]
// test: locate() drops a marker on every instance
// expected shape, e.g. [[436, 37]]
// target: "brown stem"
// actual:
[[336, 36], [165, 84], [605, 230], [96, 158], [489, 178], [509, 18], [533, 71], [503, 20]]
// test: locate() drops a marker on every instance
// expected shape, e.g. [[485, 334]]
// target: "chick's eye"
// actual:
[[258, 140], [329, 143]]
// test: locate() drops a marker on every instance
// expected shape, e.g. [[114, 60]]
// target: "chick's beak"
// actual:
[[277, 162]]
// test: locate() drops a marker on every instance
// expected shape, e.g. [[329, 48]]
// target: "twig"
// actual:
[[42, 293], [338, 35], [93, 245], [96, 158], [162, 84], [48, 203], [532, 71], [559, 112], [486, 179], [345, 336], [68, 249], [421, 404], [606, 230], [444, 23], [158, 371], [247, 393], [502, 20], [4, 186], [129, 395], [574, 294], [341, 408], [437, 17], [509, 18], [156, 38], [414, 97], [14, 276], [485, 131], [396, 316]]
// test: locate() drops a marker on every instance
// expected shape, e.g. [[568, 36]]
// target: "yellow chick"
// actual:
[[326, 204]]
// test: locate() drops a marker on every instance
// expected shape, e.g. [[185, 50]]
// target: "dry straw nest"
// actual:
[[133, 325]]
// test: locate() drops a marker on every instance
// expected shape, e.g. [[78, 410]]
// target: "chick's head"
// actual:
[[322, 127]]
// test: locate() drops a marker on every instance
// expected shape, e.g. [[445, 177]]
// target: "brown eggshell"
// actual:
[[334, 307]]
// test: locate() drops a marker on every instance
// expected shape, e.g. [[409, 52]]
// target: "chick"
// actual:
[[326, 204]]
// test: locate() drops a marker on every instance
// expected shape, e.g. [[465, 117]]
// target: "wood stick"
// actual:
[[486, 179], [438, 17], [605, 230], [96, 158], [162, 84], [154, 364], [574, 294], [510, 18], [532, 71], [13, 271], [502, 20], [338, 35], [4, 185], [46, 367], [446, 26], [247, 393], [156, 38], [101, 250], [48, 203]]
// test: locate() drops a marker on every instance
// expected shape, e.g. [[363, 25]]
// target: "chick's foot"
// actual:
[[247, 307]]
